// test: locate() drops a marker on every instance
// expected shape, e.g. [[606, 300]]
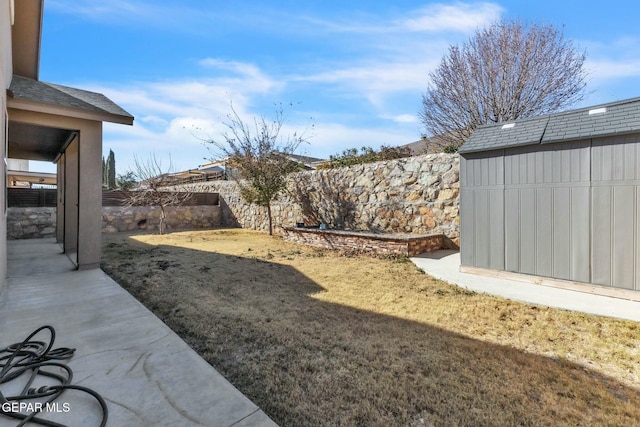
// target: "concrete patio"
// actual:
[[147, 375], [445, 265]]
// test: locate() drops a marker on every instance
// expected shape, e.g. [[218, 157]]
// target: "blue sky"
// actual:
[[355, 69]]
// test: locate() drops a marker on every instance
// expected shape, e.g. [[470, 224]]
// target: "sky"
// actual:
[[349, 73]]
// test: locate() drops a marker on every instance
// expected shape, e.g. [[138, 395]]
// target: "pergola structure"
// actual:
[[60, 124]]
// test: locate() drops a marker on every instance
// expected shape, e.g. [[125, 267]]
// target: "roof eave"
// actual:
[[591, 136], [38, 107], [27, 37]]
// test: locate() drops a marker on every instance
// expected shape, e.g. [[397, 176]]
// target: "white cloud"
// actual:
[[396, 55], [607, 69], [402, 118], [248, 76], [111, 10], [374, 78], [173, 117], [393, 55], [437, 17], [191, 97], [614, 59], [137, 13], [462, 17]]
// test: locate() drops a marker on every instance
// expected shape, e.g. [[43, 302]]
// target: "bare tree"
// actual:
[[152, 189], [507, 71], [260, 156]]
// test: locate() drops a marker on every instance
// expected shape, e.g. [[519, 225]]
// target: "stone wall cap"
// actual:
[[369, 235]]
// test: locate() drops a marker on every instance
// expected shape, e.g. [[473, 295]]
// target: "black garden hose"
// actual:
[[31, 359]]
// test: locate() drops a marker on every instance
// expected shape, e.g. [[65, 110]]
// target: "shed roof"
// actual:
[[616, 118]]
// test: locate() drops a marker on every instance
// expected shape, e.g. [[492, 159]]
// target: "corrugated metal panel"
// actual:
[[571, 210], [464, 167], [539, 220], [544, 232], [512, 229], [548, 164], [615, 247], [615, 218], [637, 237], [629, 160], [482, 210], [496, 230], [482, 218], [601, 235], [624, 218], [467, 229], [580, 234], [527, 230], [484, 230], [609, 163], [562, 223]]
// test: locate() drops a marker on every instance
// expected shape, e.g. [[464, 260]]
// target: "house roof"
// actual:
[[615, 118], [32, 177], [96, 104], [305, 160], [426, 145], [308, 162]]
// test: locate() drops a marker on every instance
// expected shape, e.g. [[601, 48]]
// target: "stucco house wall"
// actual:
[[50, 122], [6, 71]]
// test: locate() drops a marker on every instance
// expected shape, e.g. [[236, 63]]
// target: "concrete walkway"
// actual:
[[445, 265], [145, 372]]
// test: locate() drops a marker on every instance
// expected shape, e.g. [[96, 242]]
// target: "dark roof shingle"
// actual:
[[64, 96], [616, 118]]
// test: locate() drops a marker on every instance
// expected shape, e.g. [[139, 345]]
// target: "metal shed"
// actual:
[[555, 196]]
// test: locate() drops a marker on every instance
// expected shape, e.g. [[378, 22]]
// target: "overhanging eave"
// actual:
[[26, 105]]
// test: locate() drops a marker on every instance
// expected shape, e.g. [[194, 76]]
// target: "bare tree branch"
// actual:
[[153, 178], [504, 72], [261, 155]]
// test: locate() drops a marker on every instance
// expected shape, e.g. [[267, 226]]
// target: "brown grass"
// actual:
[[316, 338]]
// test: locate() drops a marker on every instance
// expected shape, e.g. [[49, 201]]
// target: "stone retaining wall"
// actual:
[[375, 244], [116, 218], [413, 195], [417, 195], [30, 223]]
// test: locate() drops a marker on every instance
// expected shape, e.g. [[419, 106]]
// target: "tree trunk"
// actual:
[[162, 218], [270, 221]]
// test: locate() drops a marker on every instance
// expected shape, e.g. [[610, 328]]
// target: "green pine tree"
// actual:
[[104, 173], [111, 171]]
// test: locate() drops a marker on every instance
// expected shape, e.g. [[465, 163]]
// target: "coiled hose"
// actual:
[[32, 359]]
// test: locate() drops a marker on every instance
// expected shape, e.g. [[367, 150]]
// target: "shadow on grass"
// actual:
[[306, 362]]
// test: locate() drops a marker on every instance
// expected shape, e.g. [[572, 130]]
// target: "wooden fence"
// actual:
[[45, 197], [31, 197]]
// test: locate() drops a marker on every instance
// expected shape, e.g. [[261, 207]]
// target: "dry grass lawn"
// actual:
[[316, 338]]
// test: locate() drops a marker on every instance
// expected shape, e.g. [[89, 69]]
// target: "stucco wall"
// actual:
[[6, 72], [413, 195]]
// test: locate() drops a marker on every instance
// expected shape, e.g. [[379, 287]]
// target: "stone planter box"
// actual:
[[375, 244]]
